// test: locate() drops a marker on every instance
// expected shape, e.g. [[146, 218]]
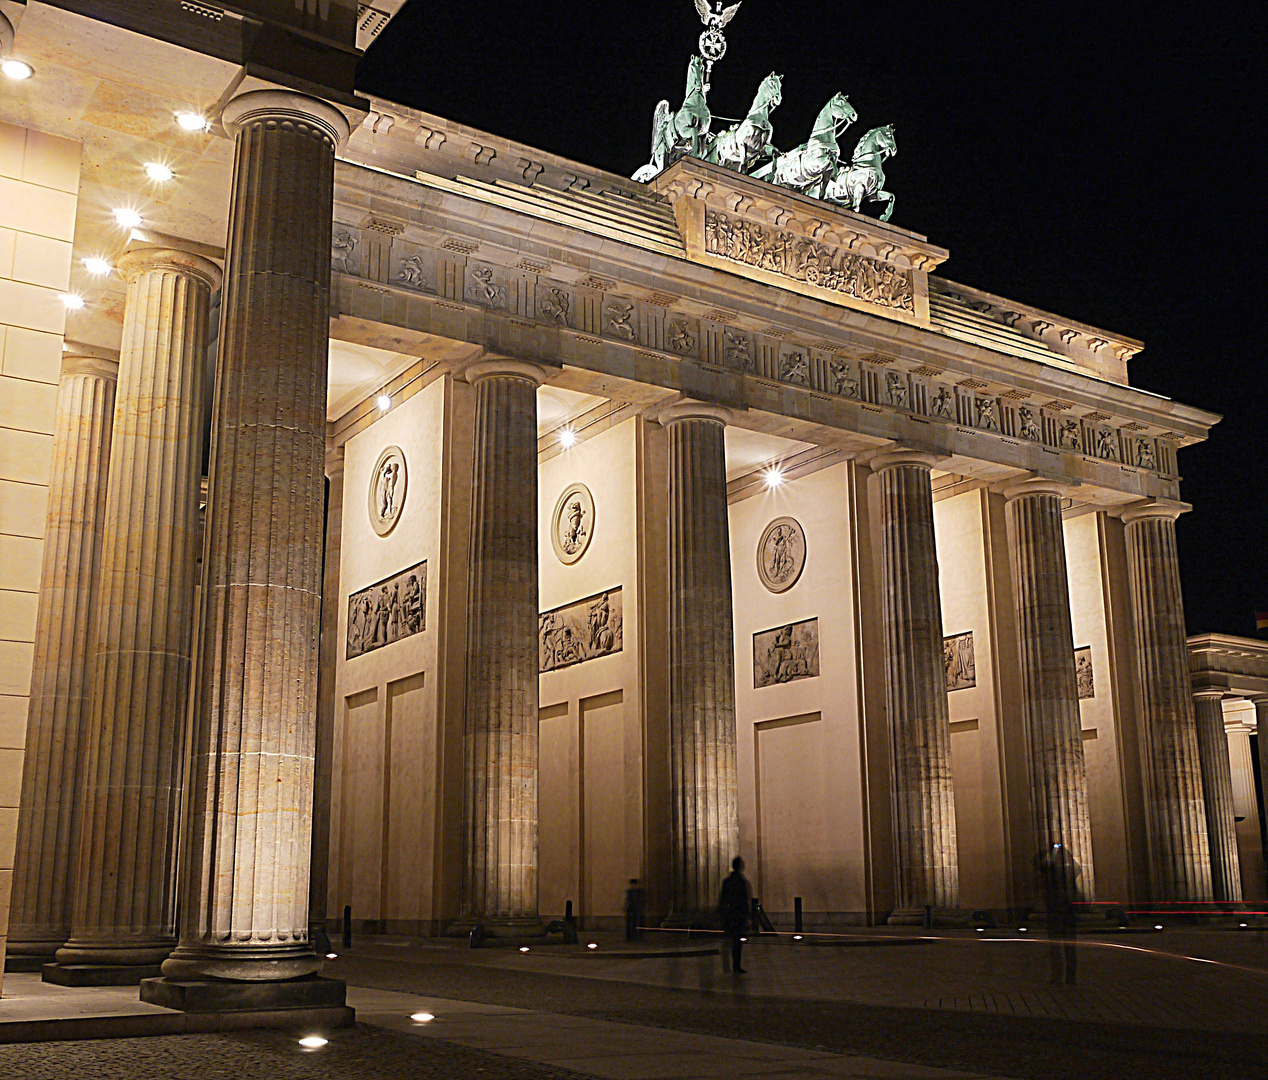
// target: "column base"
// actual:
[[97, 974], [265, 964], [306, 996], [930, 917], [30, 955]]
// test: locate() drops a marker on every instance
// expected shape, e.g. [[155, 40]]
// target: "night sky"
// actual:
[[1100, 161]]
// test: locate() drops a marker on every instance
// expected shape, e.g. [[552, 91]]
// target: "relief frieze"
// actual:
[[802, 259]]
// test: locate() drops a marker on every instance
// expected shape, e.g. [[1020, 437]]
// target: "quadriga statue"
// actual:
[[676, 134], [813, 164], [864, 177], [747, 144]]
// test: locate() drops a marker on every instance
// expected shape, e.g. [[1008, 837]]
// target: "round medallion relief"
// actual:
[[572, 526], [386, 496], [781, 554]]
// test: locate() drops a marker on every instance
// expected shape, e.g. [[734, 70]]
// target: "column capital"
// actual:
[[1036, 485], [694, 410], [335, 460], [6, 35], [142, 260], [1155, 509], [263, 105], [493, 367], [893, 458], [1209, 692], [1260, 701], [74, 363]]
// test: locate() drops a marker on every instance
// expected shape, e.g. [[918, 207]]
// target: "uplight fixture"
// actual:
[[16, 70], [422, 1017], [1021, 929], [567, 438], [192, 121], [523, 948], [97, 267], [796, 937], [158, 172], [384, 402], [127, 217], [594, 945], [73, 301], [1157, 926], [332, 956], [313, 1042]]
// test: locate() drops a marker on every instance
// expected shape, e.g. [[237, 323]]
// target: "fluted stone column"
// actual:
[[500, 732], [245, 881], [124, 910], [1050, 692], [1180, 860], [323, 761], [1217, 787], [61, 675], [1261, 731], [927, 871], [703, 767]]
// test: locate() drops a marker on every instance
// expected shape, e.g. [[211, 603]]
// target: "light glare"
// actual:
[[592, 945], [332, 956], [127, 217], [192, 121], [774, 477], [16, 70], [313, 1042], [97, 266], [384, 402], [73, 301], [158, 172], [421, 1017], [523, 948]]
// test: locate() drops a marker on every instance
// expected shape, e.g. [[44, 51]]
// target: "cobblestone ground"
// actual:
[[1050, 1047], [358, 1053]]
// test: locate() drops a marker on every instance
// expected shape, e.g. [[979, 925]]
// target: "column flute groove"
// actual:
[[61, 677], [1217, 789]]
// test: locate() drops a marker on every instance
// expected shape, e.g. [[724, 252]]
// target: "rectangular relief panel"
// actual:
[[786, 654], [581, 631], [388, 611], [960, 661], [1083, 672]]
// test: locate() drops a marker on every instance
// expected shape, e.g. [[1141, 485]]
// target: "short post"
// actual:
[[568, 913], [347, 926], [797, 914]]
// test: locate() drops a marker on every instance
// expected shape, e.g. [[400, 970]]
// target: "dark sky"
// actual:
[[1101, 161]]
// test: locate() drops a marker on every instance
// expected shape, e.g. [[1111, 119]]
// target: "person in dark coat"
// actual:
[[1059, 873], [633, 911], [735, 908]]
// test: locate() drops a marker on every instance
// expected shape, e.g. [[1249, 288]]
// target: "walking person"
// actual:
[[1059, 879], [633, 911], [736, 907]]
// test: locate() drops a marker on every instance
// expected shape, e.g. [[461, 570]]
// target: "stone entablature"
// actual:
[[1235, 664], [465, 263]]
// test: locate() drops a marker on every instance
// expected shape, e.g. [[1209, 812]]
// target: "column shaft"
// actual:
[[61, 675], [124, 911], [1261, 733], [1050, 693], [500, 805], [703, 766], [1217, 788], [927, 861], [1180, 859], [245, 891]]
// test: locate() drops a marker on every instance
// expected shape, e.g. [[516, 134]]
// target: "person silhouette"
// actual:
[[735, 907], [1058, 874]]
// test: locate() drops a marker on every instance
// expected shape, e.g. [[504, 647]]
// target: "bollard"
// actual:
[[568, 913], [347, 926], [797, 914]]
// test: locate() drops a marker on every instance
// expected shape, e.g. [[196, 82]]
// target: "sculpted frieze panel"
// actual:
[[343, 250], [580, 631], [618, 320], [960, 662], [802, 259], [554, 304], [1083, 673], [387, 612], [484, 288], [738, 350], [794, 367], [786, 654]]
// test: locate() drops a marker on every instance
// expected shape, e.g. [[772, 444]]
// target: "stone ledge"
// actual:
[[97, 974], [79, 1028], [223, 996]]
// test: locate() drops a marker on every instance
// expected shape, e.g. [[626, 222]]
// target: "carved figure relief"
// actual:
[[1029, 426], [619, 321], [738, 351], [487, 290], [555, 305], [1105, 447], [343, 246], [986, 418], [1146, 458], [896, 390], [786, 654], [794, 368], [580, 631], [411, 273], [389, 611], [572, 526], [960, 662], [386, 496], [843, 379], [1083, 673], [1069, 434], [942, 404], [803, 259], [680, 338], [781, 554]]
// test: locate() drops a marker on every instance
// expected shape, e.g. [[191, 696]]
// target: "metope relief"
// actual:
[[386, 495], [1083, 674], [619, 321], [411, 274], [794, 367], [555, 305], [580, 631], [781, 554], [1028, 426], [1146, 458], [786, 654], [485, 290], [960, 663], [343, 247], [389, 611], [842, 380], [803, 259], [942, 403], [572, 526]]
